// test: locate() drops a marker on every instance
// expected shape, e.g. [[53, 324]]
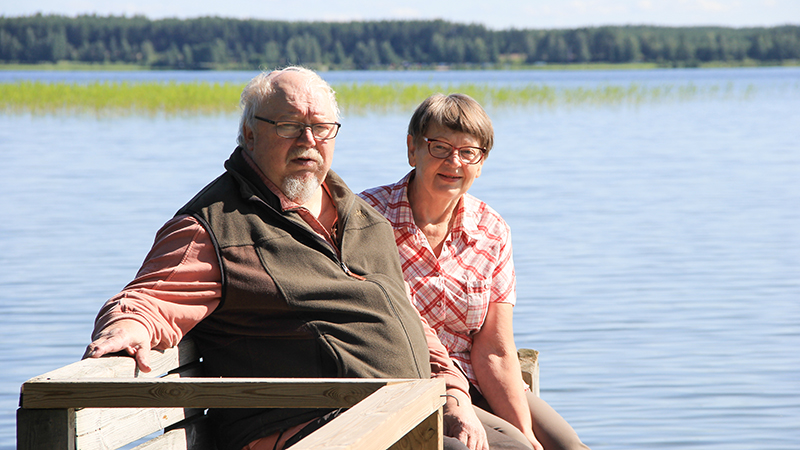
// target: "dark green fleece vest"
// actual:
[[291, 307]]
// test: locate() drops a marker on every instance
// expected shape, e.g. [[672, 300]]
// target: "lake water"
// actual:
[[657, 244]]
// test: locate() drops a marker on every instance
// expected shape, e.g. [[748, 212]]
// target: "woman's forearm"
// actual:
[[500, 380], [497, 370]]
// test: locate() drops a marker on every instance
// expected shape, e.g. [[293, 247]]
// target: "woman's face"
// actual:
[[447, 178]]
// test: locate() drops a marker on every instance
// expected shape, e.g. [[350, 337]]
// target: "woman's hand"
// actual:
[[534, 442], [461, 422]]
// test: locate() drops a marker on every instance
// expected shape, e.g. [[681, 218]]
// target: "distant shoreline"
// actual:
[[76, 66]]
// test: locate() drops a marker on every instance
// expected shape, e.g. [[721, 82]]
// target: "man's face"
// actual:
[[297, 166]]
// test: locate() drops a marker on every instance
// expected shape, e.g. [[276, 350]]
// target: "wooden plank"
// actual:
[[125, 366], [194, 436], [383, 418], [51, 429], [426, 436], [200, 392], [115, 427], [529, 363]]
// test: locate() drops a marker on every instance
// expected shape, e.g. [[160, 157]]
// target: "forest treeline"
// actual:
[[223, 43]]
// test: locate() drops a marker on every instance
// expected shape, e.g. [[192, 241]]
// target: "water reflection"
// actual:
[[657, 249]]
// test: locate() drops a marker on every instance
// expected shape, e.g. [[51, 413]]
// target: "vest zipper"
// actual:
[[347, 271], [343, 226], [323, 243]]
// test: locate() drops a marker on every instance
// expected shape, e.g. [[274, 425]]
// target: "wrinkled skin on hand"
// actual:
[[124, 335], [461, 422]]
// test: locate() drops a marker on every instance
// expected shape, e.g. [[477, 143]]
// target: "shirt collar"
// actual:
[[400, 215], [465, 222], [467, 218]]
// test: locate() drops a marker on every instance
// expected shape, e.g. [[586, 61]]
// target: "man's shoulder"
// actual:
[[214, 192], [366, 213]]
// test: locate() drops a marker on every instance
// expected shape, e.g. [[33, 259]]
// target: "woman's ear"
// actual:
[[412, 151]]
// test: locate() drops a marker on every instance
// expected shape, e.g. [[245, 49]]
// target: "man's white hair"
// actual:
[[259, 90]]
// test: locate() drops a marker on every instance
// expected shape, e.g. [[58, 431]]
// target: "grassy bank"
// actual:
[[126, 98]]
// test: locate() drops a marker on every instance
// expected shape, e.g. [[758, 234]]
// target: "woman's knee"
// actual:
[[552, 430], [503, 431]]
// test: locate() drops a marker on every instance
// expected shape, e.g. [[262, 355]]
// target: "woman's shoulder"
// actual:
[[385, 197], [377, 197]]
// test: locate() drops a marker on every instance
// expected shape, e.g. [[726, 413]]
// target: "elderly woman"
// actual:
[[456, 256]]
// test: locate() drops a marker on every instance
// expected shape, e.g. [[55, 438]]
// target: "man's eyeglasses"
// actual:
[[292, 130], [443, 150]]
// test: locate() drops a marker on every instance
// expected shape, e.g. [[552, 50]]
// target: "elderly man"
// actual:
[[278, 270]]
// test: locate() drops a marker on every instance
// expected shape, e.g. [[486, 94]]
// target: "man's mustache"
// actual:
[[309, 153]]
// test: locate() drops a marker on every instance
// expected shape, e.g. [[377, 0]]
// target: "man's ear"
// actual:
[[249, 137]]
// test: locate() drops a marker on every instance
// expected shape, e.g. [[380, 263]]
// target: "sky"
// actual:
[[494, 14]]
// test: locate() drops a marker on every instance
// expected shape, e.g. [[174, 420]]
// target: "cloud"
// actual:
[[645, 5], [713, 6], [592, 7]]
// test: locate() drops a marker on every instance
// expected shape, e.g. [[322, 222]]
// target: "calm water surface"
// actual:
[[657, 246]]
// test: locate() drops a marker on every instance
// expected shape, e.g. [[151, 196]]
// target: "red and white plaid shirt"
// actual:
[[475, 266]]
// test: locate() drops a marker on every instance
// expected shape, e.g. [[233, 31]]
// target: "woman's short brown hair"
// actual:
[[458, 112]]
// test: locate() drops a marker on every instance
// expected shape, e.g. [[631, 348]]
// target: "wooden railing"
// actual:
[[107, 403]]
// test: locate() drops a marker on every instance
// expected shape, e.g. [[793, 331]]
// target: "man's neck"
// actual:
[[316, 204]]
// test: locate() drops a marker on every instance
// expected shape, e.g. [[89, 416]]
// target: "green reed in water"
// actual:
[[122, 98], [405, 97], [125, 98]]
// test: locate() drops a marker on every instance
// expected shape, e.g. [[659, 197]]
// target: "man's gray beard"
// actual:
[[300, 189]]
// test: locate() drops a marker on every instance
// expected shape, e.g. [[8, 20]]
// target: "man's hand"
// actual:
[[461, 422], [128, 335]]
